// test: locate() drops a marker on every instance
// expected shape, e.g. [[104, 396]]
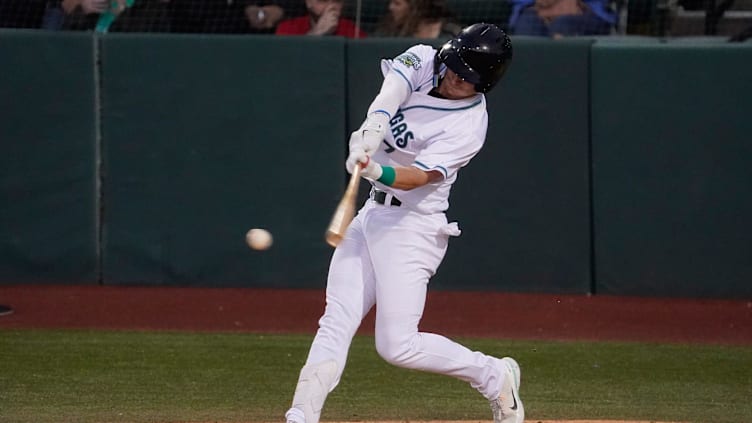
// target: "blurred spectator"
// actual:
[[264, 17], [418, 19], [324, 17], [742, 36], [22, 13], [231, 16], [143, 16], [560, 18]]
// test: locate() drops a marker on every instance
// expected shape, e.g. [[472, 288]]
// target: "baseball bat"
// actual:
[[345, 211]]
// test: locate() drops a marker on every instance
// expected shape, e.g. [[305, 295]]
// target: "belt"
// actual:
[[380, 197]]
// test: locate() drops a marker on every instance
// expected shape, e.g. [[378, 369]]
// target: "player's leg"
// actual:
[[349, 296], [403, 266]]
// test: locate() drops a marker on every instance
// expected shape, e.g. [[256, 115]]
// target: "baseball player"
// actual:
[[428, 120]]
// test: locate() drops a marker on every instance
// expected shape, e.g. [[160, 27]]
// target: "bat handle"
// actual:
[[354, 179], [345, 211]]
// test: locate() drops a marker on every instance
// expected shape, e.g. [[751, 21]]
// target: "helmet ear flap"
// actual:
[[436, 69]]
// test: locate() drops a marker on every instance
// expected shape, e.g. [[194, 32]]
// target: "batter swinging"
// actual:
[[428, 120]]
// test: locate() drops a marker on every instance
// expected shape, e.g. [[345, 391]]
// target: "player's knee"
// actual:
[[396, 348], [338, 323]]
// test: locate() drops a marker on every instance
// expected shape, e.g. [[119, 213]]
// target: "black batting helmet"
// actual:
[[479, 54]]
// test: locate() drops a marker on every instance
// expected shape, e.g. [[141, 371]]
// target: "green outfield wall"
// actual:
[[610, 167], [207, 138], [48, 192], [672, 169]]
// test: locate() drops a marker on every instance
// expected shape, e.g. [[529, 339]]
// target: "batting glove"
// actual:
[[370, 135], [368, 168], [357, 156], [371, 170]]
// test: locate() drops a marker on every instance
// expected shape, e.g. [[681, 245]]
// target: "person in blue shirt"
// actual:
[[561, 18]]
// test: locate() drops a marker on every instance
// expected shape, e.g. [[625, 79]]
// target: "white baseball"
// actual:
[[258, 239]]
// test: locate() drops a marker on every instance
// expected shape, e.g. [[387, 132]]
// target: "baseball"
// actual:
[[258, 239]]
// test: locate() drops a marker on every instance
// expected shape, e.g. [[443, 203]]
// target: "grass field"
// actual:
[[94, 376]]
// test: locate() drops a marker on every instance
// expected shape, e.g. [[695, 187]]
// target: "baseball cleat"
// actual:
[[507, 408], [294, 415]]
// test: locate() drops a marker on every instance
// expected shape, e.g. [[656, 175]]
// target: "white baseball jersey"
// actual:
[[389, 253], [430, 133]]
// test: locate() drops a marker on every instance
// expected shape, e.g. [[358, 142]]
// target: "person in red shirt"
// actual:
[[324, 18]]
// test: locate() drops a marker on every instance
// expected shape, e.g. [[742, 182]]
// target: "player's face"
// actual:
[[399, 9], [455, 88]]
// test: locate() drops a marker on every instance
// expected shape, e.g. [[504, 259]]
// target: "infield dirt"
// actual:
[[470, 314]]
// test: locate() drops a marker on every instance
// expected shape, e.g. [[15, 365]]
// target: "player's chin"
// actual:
[[461, 93], [459, 89]]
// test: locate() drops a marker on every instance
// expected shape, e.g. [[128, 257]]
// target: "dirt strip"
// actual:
[[471, 314]]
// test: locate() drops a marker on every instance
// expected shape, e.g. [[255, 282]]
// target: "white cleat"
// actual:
[[507, 408], [294, 415]]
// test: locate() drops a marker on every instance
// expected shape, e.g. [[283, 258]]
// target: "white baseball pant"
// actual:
[[386, 259]]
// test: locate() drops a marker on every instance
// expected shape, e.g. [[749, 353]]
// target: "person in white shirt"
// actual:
[[428, 121]]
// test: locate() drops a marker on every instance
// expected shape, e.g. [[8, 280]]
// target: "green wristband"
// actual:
[[388, 175]]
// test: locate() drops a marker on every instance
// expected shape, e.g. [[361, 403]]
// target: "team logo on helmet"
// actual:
[[411, 60]]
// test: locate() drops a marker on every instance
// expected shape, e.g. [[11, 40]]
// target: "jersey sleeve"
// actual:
[[448, 155], [414, 65]]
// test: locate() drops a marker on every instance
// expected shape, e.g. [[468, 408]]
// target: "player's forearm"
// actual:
[[407, 178], [404, 178]]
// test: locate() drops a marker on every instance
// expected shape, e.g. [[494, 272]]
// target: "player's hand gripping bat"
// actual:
[[345, 211]]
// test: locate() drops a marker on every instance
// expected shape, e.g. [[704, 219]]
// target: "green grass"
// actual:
[[90, 376]]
